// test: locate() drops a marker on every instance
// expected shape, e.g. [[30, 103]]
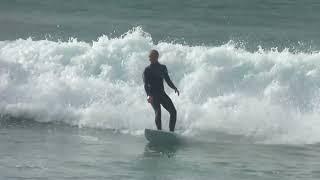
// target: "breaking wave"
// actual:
[[270, 95]]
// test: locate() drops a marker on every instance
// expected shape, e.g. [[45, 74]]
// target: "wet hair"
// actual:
[[155, 52]]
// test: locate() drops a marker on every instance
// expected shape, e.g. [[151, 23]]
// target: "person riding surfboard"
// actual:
[[153, 76]]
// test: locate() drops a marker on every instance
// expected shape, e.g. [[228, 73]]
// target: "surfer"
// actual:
[[153, 76]]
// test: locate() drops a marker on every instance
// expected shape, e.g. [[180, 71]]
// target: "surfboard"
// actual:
[[161, 137]]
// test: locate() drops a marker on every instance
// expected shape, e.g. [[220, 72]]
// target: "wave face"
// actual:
[[270, 95]]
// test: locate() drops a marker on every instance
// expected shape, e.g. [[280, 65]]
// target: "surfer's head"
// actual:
[[153, 56]]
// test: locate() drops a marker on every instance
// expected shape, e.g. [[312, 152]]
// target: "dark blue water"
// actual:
[[280, 24]]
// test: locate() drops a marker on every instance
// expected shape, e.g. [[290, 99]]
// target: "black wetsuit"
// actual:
[[153, 76]]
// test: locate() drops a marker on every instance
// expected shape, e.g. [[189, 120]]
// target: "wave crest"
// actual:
[[268, 94]]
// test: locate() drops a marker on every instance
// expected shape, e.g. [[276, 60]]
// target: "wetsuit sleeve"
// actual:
[[167, 78], [146, 81]]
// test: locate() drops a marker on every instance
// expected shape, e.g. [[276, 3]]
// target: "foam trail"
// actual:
[[269, 95]]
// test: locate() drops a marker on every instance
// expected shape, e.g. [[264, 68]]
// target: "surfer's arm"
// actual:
[[167, 78], [146, 82]]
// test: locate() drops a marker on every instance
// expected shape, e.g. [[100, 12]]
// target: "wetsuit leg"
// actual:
[[157, 110], [168, 105]]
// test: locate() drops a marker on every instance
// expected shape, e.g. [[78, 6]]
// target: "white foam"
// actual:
[[269, 95]]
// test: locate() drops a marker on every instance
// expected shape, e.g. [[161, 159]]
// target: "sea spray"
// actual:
[[269, 95]]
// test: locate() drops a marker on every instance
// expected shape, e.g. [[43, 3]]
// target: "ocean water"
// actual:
[[72, 103]]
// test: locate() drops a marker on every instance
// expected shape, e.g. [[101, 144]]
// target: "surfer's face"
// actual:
[[153, 57]]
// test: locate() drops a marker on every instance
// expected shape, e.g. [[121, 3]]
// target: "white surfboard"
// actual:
[[161, 137]]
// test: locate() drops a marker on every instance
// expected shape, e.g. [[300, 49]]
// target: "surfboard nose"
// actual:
[[161, 137]]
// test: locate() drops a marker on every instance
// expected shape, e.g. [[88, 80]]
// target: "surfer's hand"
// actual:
[[149, 99], [177, 91]]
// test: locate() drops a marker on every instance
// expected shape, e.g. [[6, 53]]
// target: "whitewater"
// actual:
[[270, 96]]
